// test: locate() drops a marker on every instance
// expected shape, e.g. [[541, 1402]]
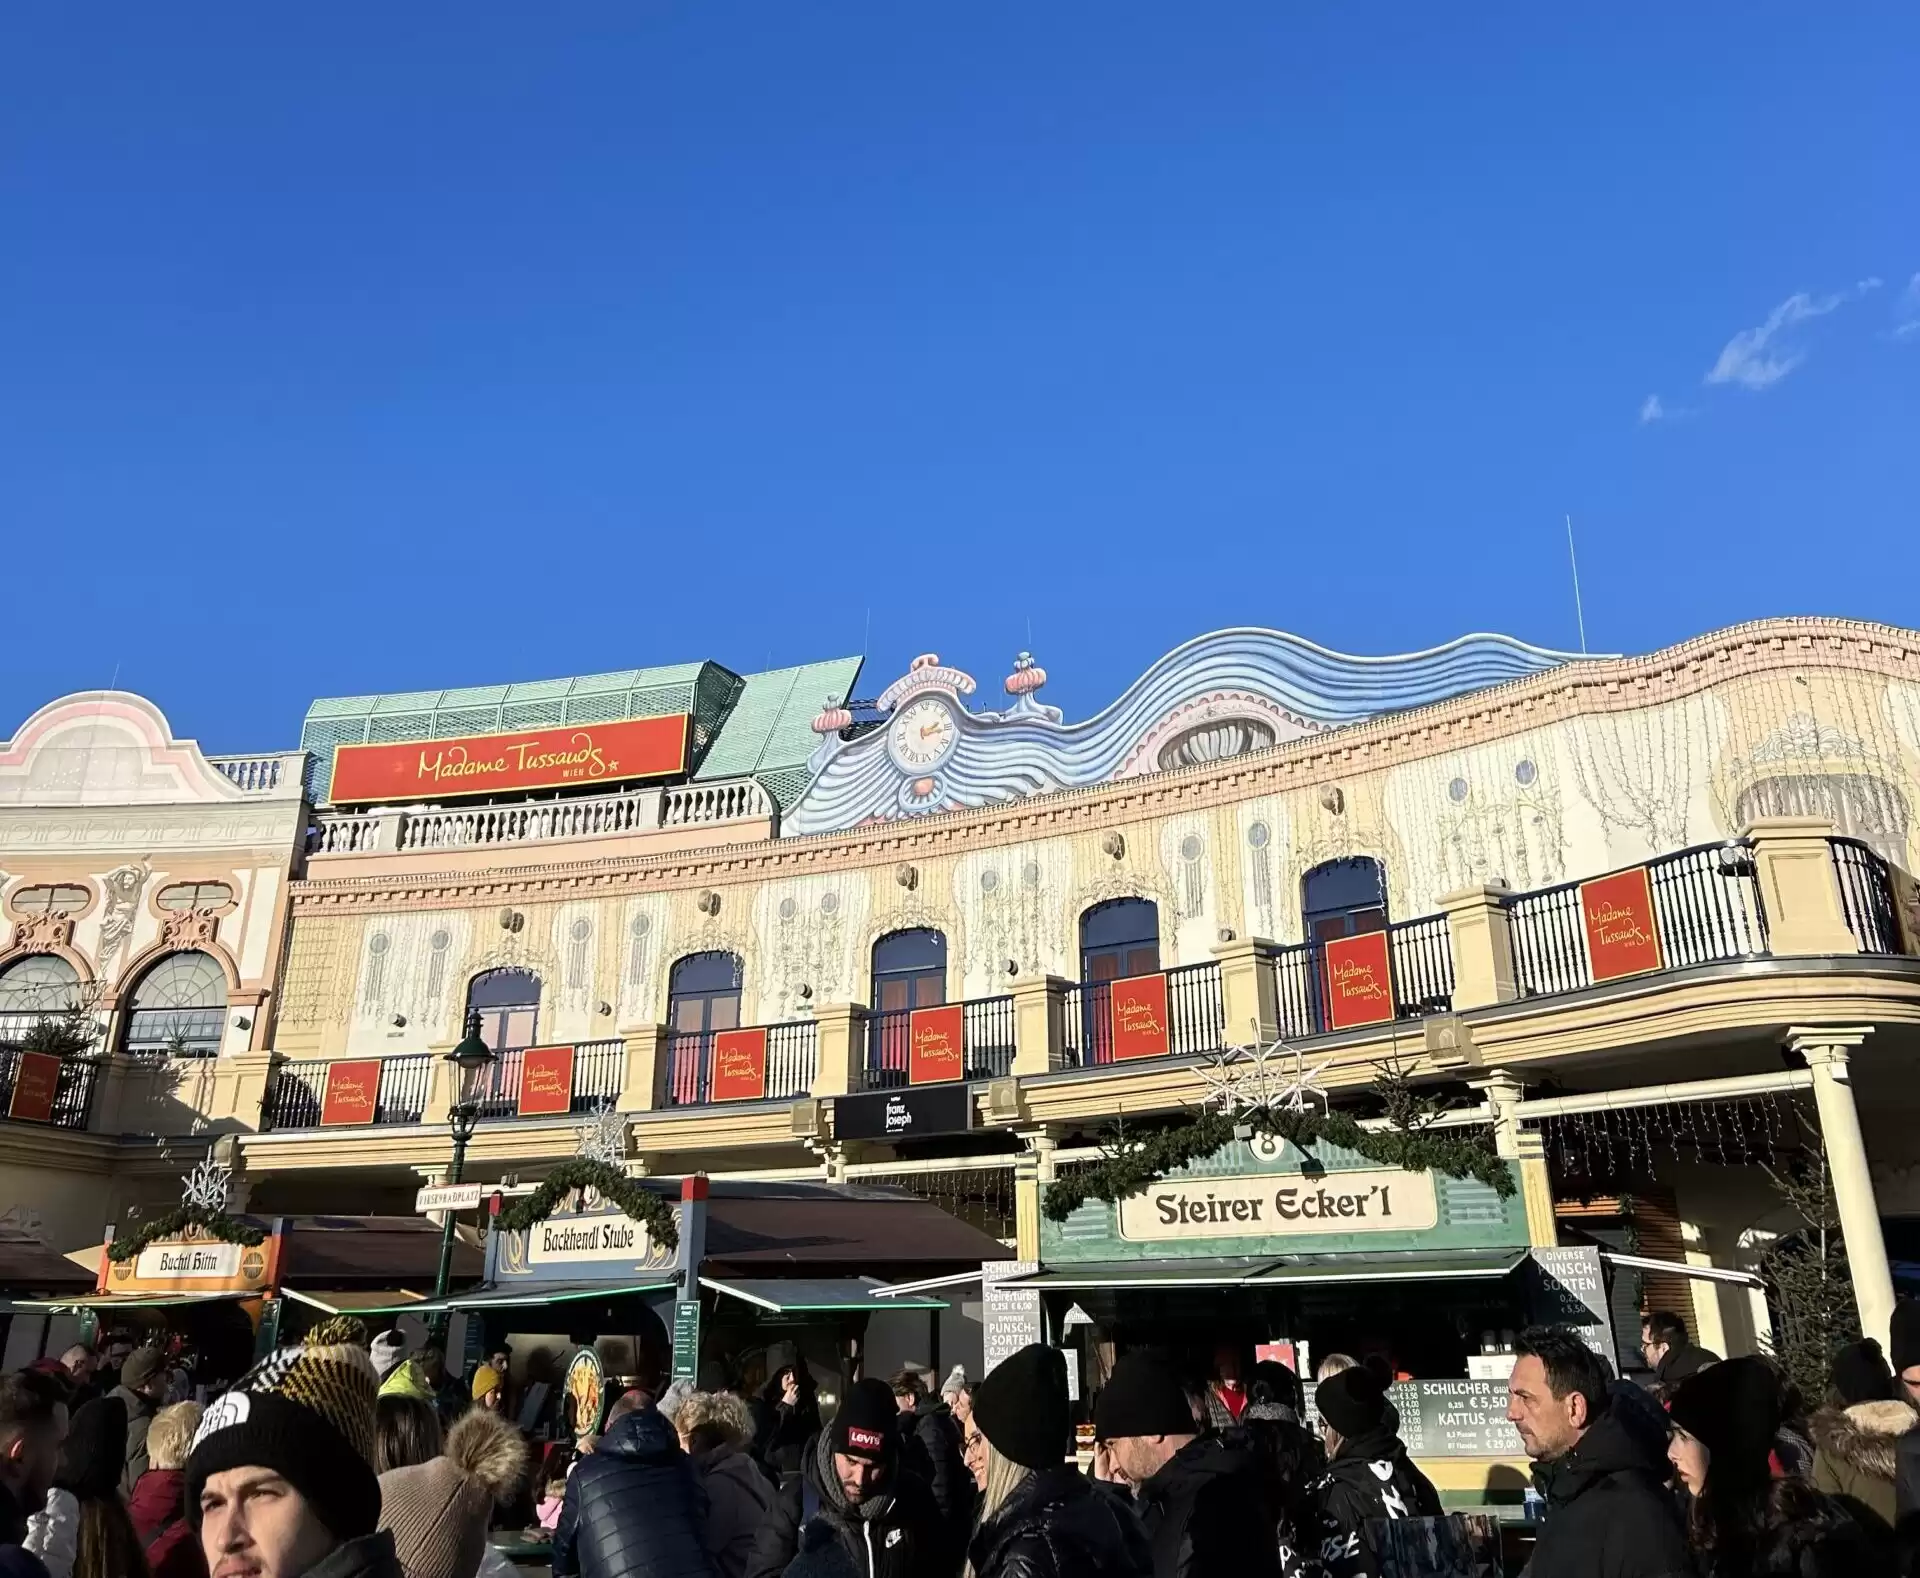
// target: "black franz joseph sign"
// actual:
[[892, 1114]]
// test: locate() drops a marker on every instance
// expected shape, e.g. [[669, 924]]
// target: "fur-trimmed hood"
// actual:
[[1866, 1436]]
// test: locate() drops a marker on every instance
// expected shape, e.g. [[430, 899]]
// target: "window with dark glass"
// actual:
[[178, 1008], [910, 970], [703, 993], [1343, 898], [1119, 939], [507, 1003]]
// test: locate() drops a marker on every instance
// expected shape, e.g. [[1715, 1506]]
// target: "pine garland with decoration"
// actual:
[[1247, 1096], [203, 1205], [605, 1180], [211, 1223]]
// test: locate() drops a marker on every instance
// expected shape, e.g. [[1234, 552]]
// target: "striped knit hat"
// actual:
[[306, 1413]]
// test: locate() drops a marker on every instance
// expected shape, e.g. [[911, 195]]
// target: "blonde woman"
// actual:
[[715, 1432], [158, 1503], [1038, 1517]]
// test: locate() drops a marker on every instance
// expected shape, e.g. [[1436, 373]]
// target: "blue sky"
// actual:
[[368, 348]]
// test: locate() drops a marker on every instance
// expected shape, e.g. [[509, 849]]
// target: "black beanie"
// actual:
[[1142, 1398], [307, 1414], [1906, 1336], [1860, 1374], [868, 1423], [1021, 1408], [94, 1455], [1353, 1401], [1733, 1408]]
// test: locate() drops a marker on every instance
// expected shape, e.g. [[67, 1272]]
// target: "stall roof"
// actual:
[[348, 1252], [758, 1229], [1361, 1266], [817, 1293], [535, 1294], [28, 1265], [360, 1301], [129, 1301]]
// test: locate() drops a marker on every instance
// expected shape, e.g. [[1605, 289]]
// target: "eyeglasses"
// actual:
[[973, 1441]]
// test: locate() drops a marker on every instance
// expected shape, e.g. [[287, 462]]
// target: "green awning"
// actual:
[[394, 1301], [800, 1294], [1261, 1271], [534, 1295], [76, 1303]]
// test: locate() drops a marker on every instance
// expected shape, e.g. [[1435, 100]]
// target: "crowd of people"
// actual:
[[344, 1458]]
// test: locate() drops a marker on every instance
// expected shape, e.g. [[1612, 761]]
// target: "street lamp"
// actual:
[[471, 1057]]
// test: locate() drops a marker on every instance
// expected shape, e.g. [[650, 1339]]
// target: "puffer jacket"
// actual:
[[930, 1448], [1371, 1476], [1856, 1455], [897, 1533], [1609, 1512], [1056, 1525], [633, 1508], [1802, 1534], [739, 1500], [158, 1510], [1206, 1513]]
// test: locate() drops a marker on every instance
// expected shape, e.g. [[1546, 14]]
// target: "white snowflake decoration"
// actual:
[[604, 1138], [1244, 1080], [209, 1186]]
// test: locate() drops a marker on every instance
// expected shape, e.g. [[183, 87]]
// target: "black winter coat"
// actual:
[[1370, 1477], [903, 1536], [1803, 1533], [633, 1507], [370, 1556], [1207, 1515], [1609, 1512], [1056, 1525], [15, 1560], [930, 1448], [739, 1499], [780, 1432]]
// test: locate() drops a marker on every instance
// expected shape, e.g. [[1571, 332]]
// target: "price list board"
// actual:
[[1455, 1419]]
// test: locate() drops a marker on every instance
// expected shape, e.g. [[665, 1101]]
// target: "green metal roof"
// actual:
[[753, 725]]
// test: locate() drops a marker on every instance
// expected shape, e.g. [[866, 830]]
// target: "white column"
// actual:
[[1826, 1052]]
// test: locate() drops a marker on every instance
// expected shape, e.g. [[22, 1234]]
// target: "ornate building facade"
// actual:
[[833, 872]]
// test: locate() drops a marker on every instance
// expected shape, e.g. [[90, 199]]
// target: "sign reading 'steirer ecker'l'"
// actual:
[[1345, 1202]]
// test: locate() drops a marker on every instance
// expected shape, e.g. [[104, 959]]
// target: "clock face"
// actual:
[[922, 734]]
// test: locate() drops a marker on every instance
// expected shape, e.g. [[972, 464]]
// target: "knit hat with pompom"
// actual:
[[305, 1412], [439, 1510]]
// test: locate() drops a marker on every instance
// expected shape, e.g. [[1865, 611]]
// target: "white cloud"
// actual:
[[1651, 410], [1908, 311], [1758, 358]]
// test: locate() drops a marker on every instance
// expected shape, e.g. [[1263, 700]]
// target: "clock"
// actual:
[[922, 735]]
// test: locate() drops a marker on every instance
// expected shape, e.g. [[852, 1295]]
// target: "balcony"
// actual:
[[792, 1063], [73, 1093], [1196, 1017], [403, 830], [986, 1042], [280, 773], [296, 1098], [598, 1068]]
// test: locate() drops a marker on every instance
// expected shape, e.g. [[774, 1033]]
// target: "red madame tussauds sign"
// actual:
[[584, 753]]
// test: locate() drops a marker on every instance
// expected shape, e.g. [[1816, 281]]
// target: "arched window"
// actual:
[[508, 1005], [41, 983], [1342, 898], [703, 993], [56, 898], [178, 1008], [1118, 939], [910, 970]]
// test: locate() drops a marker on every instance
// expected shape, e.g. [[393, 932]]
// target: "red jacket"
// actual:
[[158, 1509]]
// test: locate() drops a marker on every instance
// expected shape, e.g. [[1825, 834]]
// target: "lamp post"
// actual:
[[469, 1058]]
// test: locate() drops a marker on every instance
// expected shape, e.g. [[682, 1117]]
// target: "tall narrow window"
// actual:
[[508, 1003], [1343, 898], [703, 993], [1118, 939], [910, 970]]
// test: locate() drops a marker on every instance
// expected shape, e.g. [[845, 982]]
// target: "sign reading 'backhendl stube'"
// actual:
[[1252, 1207], [596, 753], [587, 1238]]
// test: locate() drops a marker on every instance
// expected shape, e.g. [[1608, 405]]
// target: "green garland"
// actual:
[[214, 1224], [581, 1172], [1135, 1163]]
